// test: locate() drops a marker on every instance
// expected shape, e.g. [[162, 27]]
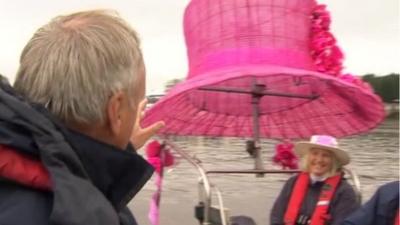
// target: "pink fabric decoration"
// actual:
[[159, 157], [324, 140], [327, 56], [154, 157], [284, 156]]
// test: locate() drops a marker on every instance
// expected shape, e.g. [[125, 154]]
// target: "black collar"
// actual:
[[118, 174]]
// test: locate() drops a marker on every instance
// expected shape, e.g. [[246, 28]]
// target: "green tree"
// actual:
[[387, 87], [171, 83]]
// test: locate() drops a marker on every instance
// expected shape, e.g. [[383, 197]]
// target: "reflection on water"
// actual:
[[375, 158]]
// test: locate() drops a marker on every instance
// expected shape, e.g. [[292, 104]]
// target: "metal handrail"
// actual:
[[353, 176], [253, 171], [356, 182], [203, 175], [221, 205]]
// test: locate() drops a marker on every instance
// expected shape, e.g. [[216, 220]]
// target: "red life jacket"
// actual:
[[320, 214]]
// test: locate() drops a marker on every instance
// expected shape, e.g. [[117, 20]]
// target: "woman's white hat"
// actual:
[[323, 142]]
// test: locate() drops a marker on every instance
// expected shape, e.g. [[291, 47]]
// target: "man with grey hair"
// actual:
[[70, 126]]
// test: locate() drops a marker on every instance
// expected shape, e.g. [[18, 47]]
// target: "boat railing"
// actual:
[[349, 173], [204, 181], [216, 215], [356, 184]]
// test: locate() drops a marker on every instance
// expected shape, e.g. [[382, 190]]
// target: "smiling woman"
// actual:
[[319, 194], [320, 162]]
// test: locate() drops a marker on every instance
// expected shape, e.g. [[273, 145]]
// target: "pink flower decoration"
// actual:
[[326, 54], [321, 18], [153, 152], [284, 156], [321, 40]]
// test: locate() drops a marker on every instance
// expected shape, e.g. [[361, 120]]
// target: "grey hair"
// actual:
[[336, 165], [74, 64]]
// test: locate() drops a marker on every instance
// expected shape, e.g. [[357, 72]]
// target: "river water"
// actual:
[[375, 158]]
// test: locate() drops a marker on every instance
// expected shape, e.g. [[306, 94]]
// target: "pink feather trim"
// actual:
[[326, 54]]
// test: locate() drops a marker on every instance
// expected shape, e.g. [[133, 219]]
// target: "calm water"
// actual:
[[375, 158]]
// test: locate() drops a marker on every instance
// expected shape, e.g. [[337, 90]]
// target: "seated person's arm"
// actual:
[[279, 208], [345, 204]]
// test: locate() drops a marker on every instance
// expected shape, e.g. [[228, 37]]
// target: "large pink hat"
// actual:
[[276, 56]]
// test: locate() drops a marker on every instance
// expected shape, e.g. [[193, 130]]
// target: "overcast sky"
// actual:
[[367, 31]]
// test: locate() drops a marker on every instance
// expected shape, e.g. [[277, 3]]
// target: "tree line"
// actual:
[[387, 87]]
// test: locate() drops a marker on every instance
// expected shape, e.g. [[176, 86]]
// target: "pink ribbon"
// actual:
[[154, 211], [159, 157]]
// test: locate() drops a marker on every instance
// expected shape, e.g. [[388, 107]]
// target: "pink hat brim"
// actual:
[[362, 110]]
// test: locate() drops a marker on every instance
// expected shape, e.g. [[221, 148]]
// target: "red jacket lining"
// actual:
[[23, 169]]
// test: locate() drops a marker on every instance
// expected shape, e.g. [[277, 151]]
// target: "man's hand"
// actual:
[[141, 135]]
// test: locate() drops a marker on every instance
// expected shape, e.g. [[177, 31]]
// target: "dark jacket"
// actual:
[[91, 182], [380, 209], [344, 202]]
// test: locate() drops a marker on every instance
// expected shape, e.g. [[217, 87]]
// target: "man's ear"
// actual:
[[114, 108]]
